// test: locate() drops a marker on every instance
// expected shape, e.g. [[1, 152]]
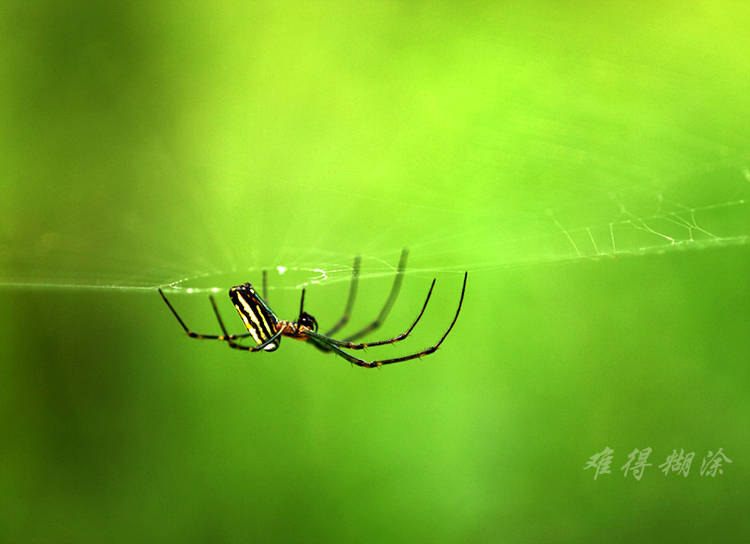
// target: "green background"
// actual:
[[587, 163]]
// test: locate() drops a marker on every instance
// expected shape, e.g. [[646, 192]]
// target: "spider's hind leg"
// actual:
[[199, 336], [349, 300], [392, 296]]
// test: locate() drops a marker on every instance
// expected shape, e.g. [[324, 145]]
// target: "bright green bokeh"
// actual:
[[588, 164]]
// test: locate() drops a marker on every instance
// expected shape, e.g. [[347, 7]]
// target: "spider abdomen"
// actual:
[[258, 318]]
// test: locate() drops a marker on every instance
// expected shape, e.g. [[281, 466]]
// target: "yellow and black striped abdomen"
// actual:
[[257, 317]]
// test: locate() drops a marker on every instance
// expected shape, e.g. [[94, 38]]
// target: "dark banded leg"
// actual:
[[265, 286], [324, 341], [350, 345], [395, 288], [192, 334], [350, 300]]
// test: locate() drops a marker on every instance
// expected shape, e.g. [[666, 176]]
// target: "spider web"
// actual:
[[638, 220], [504, 180]]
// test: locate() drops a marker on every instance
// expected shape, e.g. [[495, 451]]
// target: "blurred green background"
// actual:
[[587, 163]]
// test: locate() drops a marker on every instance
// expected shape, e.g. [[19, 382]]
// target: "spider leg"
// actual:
[[265, 286], [350, 300], [322, 340], [350, 345], [192, 334], [274, 340], [395, 288]]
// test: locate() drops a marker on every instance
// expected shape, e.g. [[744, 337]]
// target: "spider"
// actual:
[[266, 329]]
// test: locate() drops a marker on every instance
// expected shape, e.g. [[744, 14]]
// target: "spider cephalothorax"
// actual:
[[266, 329]]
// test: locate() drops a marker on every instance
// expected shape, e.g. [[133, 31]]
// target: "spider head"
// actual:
[[306, 320]]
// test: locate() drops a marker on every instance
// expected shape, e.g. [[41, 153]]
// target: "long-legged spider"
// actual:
[[266, 329]]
